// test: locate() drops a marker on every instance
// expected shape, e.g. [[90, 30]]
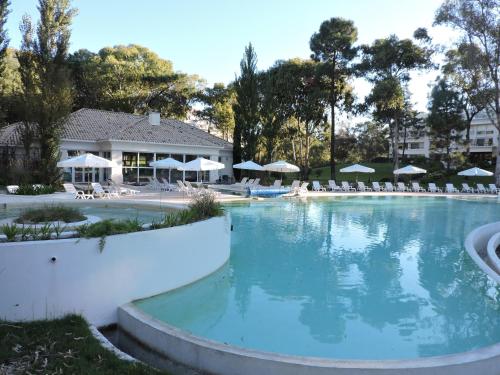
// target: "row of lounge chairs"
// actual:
[[98, 191], [188, 189], [401, 187]]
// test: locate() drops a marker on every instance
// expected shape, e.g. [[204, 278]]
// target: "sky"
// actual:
[[208, 37]]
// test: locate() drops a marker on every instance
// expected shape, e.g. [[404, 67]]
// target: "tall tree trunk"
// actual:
[[237, 149], [395, 148], [332, 142], [497, 166], [404, 146]]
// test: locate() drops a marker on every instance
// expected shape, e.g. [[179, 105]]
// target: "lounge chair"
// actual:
[[362, 187], [333, 186], [389, 186], [317, 186], [401, 187], [12, 189], [466, 188], [100, 192], [122, 190], [191, 189], [79, 194], [242, 182], [432, 188], [182, 188], [416, 188], [276, 185], [481, 189], [451, 189], [376, 187], [303, 188], [346, 187], [256, 182], [493, 189], [294, 186]]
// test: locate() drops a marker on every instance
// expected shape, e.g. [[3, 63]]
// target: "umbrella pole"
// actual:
[[169, 175]]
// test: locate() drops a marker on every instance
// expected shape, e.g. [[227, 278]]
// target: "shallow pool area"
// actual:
[[382, 277], [103, 210]]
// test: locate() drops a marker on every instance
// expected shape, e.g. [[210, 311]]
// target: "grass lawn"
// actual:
[[62, 346], [383, 172]]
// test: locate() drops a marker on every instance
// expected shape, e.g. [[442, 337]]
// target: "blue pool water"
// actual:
[[347, 278]]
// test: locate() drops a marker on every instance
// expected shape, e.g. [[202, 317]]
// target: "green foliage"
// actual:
[[218, 111], [10, 231], [61, 346], [246, 108], [445, 120], [334, 47], [131, 79], [204, 206], [47, 90], [50, 213], [109, 227], [29, 189]]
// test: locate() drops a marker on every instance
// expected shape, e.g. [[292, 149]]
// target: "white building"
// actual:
[[483, 139], [132, 141]]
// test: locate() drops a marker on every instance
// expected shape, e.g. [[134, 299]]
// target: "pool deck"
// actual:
[[179, 200]]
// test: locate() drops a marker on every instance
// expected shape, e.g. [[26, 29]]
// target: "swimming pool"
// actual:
[[346, 278]]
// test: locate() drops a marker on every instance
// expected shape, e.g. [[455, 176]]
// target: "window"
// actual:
[[136, 167], [416, 145]]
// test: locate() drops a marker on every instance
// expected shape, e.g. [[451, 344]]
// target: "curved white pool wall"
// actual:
[[491, 249], [217, 358], [84, 280], [476, 245]]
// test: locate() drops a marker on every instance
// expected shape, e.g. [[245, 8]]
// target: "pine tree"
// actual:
[[4, 43], [47, 95]]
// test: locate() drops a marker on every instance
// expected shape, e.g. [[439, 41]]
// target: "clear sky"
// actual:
[[207, 37]]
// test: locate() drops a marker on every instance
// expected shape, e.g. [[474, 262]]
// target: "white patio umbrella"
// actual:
[[475, 172], [357, 168], [168, 163], [201, 164], [249, 165], [281, 166], [410, 169], [86, 161]]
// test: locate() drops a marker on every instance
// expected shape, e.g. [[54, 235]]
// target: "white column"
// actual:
[[116, 172]]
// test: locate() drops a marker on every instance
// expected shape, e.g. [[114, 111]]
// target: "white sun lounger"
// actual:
[[416, 188], [333, 186], [432, 188], [317, 186], [466, 188], [376, 187], [242, 182], [346, 187], [303, 188], [12, 189], [276, 185], [389, 186], [362, 187], [79, 194], [100, 192], [493, 188], [401, 187], [451, 189], [481, 189]]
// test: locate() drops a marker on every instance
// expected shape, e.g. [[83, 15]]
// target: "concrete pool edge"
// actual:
[[476, 244], [223, 359]]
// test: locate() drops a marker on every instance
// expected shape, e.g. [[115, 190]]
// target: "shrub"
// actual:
[[50, 213], [10, 231], [204, 206], [28, 189], [109, 227]]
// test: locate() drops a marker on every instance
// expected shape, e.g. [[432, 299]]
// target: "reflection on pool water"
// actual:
[[145, 214], [347, 278]]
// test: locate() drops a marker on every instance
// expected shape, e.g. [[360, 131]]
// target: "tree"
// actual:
[[388, 63], [467, 73], [218, 110], [410, 123], [4, 43], [479, 23], [45, 76], [246, 108], [333, 46], [445, 120], [131, 79], [371, 140]]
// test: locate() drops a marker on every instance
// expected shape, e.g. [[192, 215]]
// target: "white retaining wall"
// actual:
[[476, 245], [92, 283]]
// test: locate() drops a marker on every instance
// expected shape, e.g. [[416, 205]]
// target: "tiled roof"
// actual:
[[98, 125]]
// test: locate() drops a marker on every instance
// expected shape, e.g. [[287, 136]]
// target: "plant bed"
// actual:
[[62, 346], [47, 214]]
